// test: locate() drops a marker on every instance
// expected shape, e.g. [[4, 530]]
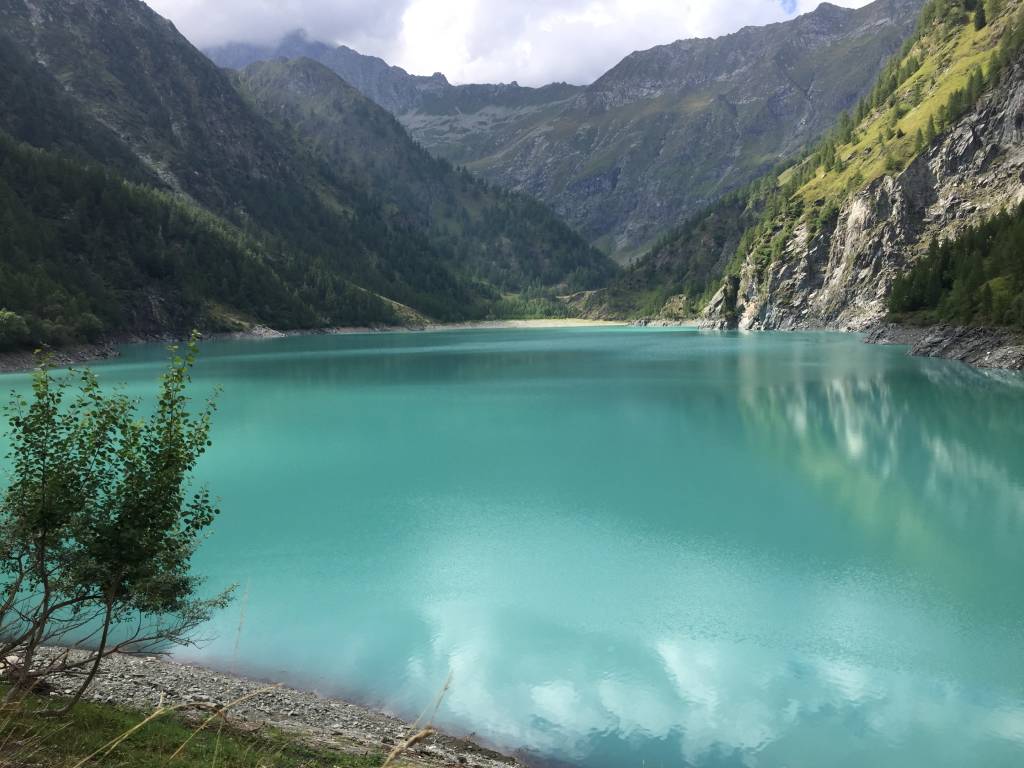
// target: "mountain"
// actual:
[[36, 109], [506, 240], [664, 133], [389, 86], [84, 255], [460, 123], [936, 150], [782, 226], [112, 96]]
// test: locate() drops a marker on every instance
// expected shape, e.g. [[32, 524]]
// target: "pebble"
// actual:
[[143, 683]]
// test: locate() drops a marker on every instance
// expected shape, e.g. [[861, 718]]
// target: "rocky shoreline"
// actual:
[[16, 362], [657, 322], [979, 347], [142, 683]]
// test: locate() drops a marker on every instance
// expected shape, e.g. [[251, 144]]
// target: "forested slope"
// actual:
[[658, 137], [937, 148], [934, 148], [308, 237]]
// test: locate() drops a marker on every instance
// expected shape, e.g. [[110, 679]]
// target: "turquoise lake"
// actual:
[[628, 547]]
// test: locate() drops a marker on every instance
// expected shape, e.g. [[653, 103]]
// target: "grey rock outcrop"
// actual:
[[841, 277], [980, 347]]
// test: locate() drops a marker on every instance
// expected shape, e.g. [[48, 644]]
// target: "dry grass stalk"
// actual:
[[422, 733], [220, 712]]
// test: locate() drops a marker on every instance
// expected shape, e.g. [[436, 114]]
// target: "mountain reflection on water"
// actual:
[[630, 547]]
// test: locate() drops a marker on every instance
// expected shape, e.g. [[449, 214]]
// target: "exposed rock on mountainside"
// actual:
[[656, 138], [458, 122], [672, 129], [841, 276]]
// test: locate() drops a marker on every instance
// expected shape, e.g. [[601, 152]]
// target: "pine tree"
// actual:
[[979, 17], [930, 131]]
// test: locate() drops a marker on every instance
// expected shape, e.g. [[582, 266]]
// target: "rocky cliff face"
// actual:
[[670, 130], [840, 278], [659, 136]]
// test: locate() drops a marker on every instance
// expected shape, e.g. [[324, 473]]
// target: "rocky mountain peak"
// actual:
[[659, 135]]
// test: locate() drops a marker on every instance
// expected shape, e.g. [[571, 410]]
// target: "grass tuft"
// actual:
[[111, 737]]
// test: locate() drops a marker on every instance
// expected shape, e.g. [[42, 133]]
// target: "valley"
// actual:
[[426, 422]]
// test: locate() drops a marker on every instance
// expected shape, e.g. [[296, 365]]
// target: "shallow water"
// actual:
[[629, 547]]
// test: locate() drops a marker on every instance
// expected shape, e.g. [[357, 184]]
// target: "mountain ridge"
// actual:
[[624, 177], [350, 131], [117, 102]]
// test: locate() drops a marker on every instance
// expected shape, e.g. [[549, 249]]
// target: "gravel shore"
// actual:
[[143, 683]]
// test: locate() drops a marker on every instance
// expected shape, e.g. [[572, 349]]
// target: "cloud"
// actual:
[[531, 41], [361, 24]]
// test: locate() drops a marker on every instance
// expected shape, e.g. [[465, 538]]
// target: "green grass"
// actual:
[[30, 739], [948, 62]]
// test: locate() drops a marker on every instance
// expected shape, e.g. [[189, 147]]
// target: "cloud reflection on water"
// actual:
[[662, 547]]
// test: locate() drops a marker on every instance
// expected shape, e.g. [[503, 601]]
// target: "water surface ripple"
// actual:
[[630, 547]]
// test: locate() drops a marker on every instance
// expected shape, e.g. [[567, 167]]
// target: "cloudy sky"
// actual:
[[531, 41]]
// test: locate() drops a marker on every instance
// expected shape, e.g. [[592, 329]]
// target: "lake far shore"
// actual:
[[144, 683], [997, 348], [107, 349]]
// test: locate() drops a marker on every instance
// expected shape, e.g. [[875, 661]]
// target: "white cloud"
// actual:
[[364, 25], [537, 41], [532, 41]]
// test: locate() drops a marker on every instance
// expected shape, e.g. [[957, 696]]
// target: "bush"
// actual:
[[14, 331], [97, 526]]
